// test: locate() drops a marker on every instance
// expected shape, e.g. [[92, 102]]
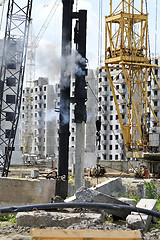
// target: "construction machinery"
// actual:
[[11, 76], [126, 52]]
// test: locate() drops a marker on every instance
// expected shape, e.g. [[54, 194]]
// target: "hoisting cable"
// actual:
[[109, 125], [104, 112], [2, 14], [156, 32], [132, 39], [149, 48], [100, 34], [46, 22]]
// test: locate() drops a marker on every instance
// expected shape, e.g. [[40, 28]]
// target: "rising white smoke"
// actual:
[[49, 61], [51, 115]]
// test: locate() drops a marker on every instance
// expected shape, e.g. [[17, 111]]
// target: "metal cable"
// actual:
[[132, 39], [100, 34], [156, 31], [148, 31], [104, 112], [2, 15]]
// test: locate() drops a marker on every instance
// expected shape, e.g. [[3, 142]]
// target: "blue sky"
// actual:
[[48, 52]]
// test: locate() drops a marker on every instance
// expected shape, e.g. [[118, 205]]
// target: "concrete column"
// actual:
[[79, 155]]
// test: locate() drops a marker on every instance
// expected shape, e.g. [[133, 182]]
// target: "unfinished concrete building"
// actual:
[[90, 127], [39, 120], [112, 144], [9, 92]]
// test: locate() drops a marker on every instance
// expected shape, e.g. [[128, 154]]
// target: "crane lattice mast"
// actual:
[[11, 76], [126, 49]]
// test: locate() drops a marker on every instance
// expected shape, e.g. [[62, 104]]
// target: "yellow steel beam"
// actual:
[[118, 17], [155, 78], [138, 64], [153, 112], [137, 118]]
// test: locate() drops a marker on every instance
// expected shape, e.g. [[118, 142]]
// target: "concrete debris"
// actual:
[[90, 195], [57, 199], [54, 219], [34, 173], [70, 199], [129, 201], [112, 187], [22, 191], [142, 188], [141, 221], [14, 232], [20, 237], [71, 189]]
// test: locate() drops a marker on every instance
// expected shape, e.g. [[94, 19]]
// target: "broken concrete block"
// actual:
[[129, 201], [22, 191], [141, 221], [70, 199], [87, 184], [112, 187], [134, 222], [23, 175], [90, 195], [141, 191], [71, 189], [34, 173], [58, 199], [54, 219], [142, 188]]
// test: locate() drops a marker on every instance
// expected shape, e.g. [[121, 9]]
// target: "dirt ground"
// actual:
[[9, 231]]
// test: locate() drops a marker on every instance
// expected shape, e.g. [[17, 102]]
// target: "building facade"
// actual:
[[39, 120], [90, 155], [112, 144]]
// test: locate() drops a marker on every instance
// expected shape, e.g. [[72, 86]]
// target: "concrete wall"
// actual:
[[26, 191], [121, 165], [90, 159]]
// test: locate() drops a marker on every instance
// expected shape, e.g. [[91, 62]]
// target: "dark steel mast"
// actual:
[[65, 89]]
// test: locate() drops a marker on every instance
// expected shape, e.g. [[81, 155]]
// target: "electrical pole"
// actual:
[[65, 95]]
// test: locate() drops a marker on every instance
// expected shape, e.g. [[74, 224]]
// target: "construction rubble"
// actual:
[[111, 191]]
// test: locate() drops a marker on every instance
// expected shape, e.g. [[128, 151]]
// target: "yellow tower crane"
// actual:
[[126, 50]]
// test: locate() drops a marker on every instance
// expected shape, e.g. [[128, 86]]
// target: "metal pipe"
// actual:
[[52, 206]]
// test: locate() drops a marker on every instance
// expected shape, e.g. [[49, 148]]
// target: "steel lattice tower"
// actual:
[[126, 49], [11, 76]]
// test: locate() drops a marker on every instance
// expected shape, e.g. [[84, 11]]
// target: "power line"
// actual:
[[149, 48], [156, 31], [100, 33], [2, 14]]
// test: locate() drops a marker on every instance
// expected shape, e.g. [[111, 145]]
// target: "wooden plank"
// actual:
[[87, 234]]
